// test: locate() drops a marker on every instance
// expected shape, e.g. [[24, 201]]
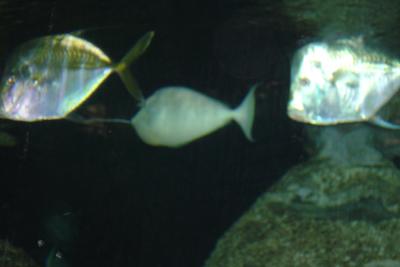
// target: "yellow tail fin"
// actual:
[[122, 68]]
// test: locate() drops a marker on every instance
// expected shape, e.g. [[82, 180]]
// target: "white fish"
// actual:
[[341, 82], [175, 116]]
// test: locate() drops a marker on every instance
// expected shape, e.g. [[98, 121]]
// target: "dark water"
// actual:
[[132, 204]]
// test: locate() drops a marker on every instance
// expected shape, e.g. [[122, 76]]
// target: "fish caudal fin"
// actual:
[[122, 67], [138, 49], [244, 114]]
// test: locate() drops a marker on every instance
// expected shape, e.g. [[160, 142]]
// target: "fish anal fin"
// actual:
[[378, 121]]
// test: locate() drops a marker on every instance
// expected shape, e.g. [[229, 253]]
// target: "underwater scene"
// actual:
[[213, 133]]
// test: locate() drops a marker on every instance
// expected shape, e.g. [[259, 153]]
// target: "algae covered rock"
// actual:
[[320, 214], [11, 256]]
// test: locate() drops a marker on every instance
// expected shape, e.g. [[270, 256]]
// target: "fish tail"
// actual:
[[244, 114], [122, 68]]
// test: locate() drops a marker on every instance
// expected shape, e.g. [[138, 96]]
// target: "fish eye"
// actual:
[[10, 80], [35, 82]]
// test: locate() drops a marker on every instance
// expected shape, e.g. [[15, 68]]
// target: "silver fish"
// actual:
[[49, 77], [175, 116], [341, 82]]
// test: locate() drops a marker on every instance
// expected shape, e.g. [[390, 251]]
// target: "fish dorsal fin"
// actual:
[[64, 50], [355, 42], [80, 33], [122, 67], [380, 122]]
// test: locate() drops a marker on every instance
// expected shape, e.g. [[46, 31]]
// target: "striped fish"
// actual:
[[49, 77], [342, 82]]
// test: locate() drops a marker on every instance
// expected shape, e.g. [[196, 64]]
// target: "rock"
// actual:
[[11, 256], [319, 214]]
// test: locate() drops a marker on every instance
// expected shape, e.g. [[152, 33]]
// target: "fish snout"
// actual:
[[296, 114], [296, 109]]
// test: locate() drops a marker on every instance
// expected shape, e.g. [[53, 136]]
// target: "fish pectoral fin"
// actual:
[[122, 67], [378, 121]]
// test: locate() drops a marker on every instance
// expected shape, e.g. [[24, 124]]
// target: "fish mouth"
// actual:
[[296, 110], [297, 115], [303, 116], [16, 106]]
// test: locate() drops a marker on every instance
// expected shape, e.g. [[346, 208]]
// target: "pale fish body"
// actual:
[[175, 116], [341, 82], [49, 77]]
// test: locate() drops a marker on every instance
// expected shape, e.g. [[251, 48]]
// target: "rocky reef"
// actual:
[[11, 256], [319, 214], [339, 208]]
